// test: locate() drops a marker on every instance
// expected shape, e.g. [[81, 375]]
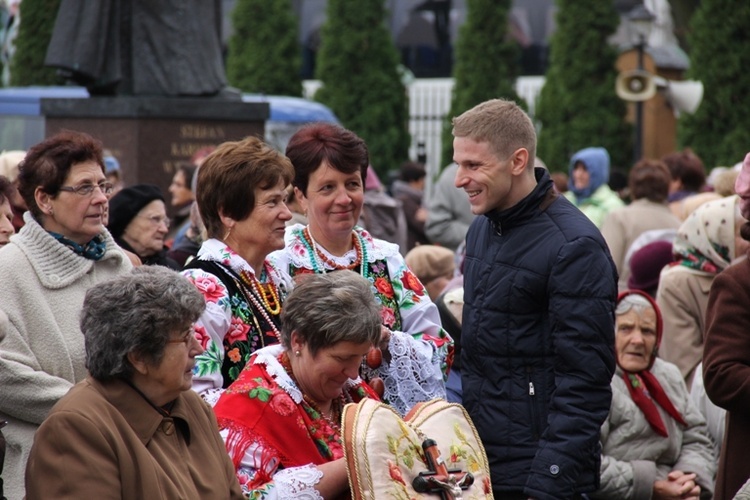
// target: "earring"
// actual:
[[297, 353], [226, 236]]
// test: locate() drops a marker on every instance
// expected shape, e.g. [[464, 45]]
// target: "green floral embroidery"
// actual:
[[209, 361]]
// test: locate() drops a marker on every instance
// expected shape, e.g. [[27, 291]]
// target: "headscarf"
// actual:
[[705, 240], [644, 388], [597, 165]]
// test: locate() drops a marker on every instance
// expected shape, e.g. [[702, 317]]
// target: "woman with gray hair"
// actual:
[[280, 419], [134, 417], [654, 442]]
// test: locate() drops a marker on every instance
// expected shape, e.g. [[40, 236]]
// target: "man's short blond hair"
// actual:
[[501, 123]]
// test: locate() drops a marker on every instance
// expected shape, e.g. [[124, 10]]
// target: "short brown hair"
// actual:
[[649, 179], [228, 177], [501, 123], [686, 166], [48, 163], [313, 144]]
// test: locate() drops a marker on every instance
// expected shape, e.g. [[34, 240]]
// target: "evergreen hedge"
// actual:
[[358, 66], [486, 63], [34, 34], [264, 54], [719, 131], [578, 106]]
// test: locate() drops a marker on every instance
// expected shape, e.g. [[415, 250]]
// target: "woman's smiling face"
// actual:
[[333, 201]]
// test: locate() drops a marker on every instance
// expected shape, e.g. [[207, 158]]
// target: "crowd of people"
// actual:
[[592, 333]]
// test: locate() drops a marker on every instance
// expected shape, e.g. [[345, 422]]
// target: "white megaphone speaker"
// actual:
[[635, 85], [684, 96]]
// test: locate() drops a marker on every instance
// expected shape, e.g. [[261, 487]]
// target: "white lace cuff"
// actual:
[[413, 374], [298, 482]]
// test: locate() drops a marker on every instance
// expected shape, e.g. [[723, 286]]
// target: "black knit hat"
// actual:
[[125, 205]]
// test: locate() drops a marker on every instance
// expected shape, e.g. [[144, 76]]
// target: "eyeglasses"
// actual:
[[88, 189], [185, 337], [157, 219]]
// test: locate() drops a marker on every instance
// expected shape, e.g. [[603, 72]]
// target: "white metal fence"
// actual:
[[429, 103]]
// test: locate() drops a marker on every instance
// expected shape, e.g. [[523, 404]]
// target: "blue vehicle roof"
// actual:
[[293, 109], [25, 101]]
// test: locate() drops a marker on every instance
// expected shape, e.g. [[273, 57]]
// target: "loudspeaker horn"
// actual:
[[684, 96], [635, 85]]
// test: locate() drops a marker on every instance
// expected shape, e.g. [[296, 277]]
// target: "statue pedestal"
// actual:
[[148, 135]]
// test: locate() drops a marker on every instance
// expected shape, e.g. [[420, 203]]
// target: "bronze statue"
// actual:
[[140, 47]]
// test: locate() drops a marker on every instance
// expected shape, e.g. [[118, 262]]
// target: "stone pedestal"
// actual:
[[148, 135]]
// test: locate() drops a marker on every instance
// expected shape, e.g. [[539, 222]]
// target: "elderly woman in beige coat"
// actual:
[[648, 182], [707, 242]]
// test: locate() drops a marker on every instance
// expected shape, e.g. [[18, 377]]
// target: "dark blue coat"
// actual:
[[538, 343]]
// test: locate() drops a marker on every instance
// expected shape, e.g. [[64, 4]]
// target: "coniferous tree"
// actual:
[[358, 66], [719, 131], [486, 63], [578, 106], [34, 34], [264, 54]]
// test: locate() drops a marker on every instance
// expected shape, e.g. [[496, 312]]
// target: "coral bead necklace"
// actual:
[[318, 258]]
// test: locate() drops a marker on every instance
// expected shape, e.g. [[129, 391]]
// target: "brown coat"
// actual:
[[726, 371], [105, 441]]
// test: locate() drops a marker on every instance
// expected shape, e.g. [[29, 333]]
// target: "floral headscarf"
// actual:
[[705, 241]]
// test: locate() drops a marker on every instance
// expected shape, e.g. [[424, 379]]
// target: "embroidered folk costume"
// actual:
[[420, 350], [242, 314], [275, 435]]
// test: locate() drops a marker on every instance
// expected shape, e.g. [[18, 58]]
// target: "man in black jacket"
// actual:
[[538, 319]]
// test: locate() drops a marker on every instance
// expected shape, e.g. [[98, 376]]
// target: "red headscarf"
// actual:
[[644, 388]]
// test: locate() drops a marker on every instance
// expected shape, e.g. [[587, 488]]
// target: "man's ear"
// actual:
[[519, 161]]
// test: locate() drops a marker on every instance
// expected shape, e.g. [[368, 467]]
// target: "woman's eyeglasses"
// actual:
[[88, 189], [157, 219], [185, 337]]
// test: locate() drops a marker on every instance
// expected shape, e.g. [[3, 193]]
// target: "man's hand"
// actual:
[[678, 485]]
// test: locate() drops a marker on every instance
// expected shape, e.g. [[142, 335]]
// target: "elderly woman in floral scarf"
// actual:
[[280, 419], [707, 242], [654, 442]]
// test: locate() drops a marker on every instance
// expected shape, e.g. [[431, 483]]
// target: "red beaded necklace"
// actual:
[[319, 255]]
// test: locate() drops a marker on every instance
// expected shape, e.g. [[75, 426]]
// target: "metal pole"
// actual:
[[638, 143]]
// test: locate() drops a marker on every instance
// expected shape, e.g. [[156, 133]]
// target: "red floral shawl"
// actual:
[[264, 406]]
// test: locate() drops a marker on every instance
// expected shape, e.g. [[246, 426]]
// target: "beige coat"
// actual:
[[682, 297], [42, 354], [623, 225]]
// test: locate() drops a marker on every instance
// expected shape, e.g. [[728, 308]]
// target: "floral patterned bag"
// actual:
[[391, 457]]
